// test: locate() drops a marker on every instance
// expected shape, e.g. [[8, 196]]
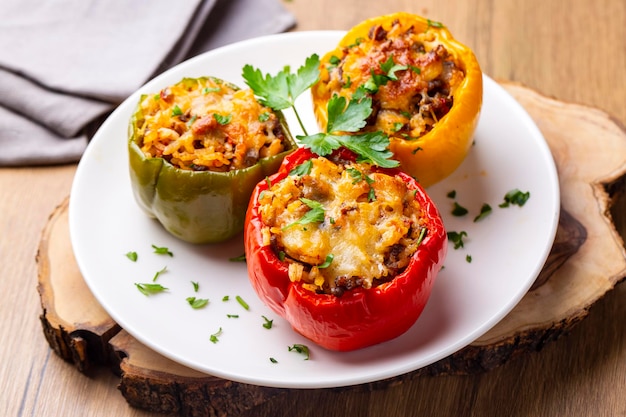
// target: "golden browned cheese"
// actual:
[[370, 225], [207, 124], [422, 77]]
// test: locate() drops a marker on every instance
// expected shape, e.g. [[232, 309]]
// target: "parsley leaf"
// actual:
[[268, 323], [315, 215], [214, 338], [458, 210], [149, 289], [197, 303], [299, 348], [302, 169], [370, 147], [485, 210], [280, 91], [158, 273], [350, 118], [242, 302], [515, 197], [390, 68], [162, 250], [327, 262], [221, 119], [457, 238]]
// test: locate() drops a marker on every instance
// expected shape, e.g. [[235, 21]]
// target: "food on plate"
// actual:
[[196, 150], [347, 252], [426, 89]]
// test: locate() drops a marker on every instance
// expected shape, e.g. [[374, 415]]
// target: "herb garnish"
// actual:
[[221, 119], [370, 147], [176, 111], [515, 197], [327, 261], [240, 258], [197, 303], [280, 91], [315, 215], [132, 256], [242, 302], [158, 273], [302, 349], [302, 169], [215, 336], [162, 250], [457, 238], [268, 323], [149, 288], [485, 210], [458, 210]]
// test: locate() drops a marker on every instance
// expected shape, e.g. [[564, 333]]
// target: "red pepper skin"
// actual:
[[360, 317]]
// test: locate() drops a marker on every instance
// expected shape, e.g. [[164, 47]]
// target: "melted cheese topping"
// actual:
[[370, 225], [423, 90], [206, 124]]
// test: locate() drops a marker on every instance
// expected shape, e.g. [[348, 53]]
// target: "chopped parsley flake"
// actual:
[[458, 210], [158, 273], [302, 349], [485, 211], [161, 250], [149, 288], [315, 215], [302, 169], [197, 303], [515, 197], [268, 323], [214, 338], [242, 302], [457, 238], [176, 111], [240, 258], [223, 120]]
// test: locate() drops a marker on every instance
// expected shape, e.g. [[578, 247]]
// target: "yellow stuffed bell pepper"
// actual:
[[426, 90]]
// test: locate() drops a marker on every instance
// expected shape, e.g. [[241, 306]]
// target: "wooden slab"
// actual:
[[587, 260]]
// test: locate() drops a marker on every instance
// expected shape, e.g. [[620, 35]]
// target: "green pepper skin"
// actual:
[[196, 206]]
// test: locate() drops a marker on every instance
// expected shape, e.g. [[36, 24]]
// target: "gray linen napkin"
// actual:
[[65, 64]]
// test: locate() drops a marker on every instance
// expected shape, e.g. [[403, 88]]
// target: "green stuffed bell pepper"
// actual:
[[196, 150]]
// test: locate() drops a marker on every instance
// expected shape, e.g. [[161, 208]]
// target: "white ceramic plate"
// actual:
[[507, 249]]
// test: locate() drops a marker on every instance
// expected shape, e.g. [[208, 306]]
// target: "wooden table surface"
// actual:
[[571, 50]]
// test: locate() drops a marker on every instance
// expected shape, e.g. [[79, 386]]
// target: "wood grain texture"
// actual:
[[571, 50]]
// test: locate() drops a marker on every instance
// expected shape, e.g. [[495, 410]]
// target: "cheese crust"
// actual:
[[423, 77], [370, 227], [206, 124]]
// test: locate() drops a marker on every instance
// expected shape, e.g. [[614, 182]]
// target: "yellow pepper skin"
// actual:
[[196, 206], [430, 155]]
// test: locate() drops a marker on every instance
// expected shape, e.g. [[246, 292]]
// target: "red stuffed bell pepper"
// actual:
[[346, 252]]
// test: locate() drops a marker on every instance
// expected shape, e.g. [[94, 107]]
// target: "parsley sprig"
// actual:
[[345, 118]]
